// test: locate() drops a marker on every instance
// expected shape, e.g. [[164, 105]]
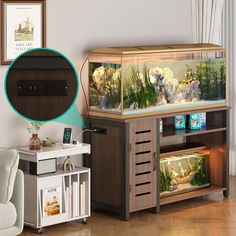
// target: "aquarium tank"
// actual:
[[157, 79], [183, 172]]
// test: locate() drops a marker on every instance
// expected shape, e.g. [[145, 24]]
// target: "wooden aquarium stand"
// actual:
[[125, 159]]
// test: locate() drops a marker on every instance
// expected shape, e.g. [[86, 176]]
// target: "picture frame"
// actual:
[[23, 26]]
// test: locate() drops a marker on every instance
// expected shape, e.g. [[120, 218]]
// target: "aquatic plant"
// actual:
[[165, 179], [199, 166], [138, 90], [211, 76]]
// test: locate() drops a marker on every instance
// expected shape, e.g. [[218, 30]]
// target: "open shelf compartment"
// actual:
[[191, 194], [215, 122], [183, 168]]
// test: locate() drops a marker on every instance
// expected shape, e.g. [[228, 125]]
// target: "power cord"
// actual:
[[88, 130], [85, 97]]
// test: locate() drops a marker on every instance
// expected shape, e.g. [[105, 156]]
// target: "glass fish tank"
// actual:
[[133, 81], [184, 172]]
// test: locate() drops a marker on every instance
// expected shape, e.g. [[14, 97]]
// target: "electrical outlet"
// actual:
[[42, 87], [99, 130]]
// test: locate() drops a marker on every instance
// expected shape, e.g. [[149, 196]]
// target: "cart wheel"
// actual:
[[84, 220], [40, 230]]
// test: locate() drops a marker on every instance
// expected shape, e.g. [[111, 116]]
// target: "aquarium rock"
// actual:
[[171, 85]]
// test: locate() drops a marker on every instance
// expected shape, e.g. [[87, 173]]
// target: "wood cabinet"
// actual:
[[125, 159]]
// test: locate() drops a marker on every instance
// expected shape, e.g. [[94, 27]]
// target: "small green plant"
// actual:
[[200, 177], [34, 127], [139, 92], [165, 179], [211, 76]]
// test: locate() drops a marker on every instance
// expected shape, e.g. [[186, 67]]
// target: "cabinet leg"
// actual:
[[125, 216], [40, 230], [155, 210], [84, 220], [226, 193]]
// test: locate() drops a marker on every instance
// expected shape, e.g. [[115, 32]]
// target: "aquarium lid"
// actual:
[[158, 49]]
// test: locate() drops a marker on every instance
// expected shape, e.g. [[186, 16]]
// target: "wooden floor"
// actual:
[[207, 216]]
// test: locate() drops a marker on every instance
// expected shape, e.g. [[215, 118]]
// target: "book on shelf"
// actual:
[[82, 198], [51, 201], [75, 199], [67, 200], [72, 197]]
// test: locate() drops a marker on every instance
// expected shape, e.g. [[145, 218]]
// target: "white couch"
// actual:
[[11, 194]]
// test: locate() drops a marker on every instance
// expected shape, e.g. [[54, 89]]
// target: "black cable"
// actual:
[[80, 75], [86, 101]]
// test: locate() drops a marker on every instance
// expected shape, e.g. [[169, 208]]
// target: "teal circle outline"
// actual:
[[76, 75]]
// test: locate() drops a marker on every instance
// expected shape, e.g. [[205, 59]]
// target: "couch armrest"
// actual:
[[18, 199]]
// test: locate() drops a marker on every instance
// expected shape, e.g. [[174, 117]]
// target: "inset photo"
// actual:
[[41, 84]]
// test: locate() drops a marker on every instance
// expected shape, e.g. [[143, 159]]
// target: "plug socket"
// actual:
[[99, 130]]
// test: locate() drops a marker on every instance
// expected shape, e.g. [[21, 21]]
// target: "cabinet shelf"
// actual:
[[181, 148], [187, 195], [169, 131]]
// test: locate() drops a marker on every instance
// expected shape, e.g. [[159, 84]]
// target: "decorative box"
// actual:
[[179, 122], [43, 167], [195, 121]]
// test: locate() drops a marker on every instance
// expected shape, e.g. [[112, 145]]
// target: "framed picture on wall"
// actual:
[[22, 27]]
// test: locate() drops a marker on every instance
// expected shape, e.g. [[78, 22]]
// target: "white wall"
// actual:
[[74, 26]]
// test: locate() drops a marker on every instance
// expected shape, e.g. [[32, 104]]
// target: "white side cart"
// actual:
[[66, 181]]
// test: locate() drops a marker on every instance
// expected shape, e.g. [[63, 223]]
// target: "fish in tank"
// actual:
[[130, 83], [183, 173]]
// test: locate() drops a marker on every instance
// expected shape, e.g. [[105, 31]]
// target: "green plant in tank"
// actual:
[[222, 80], [203, 75], [200, 177], [165, 179], [139, 92], [211, 75]]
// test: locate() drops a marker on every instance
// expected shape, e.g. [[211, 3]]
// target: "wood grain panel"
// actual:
[[107, 164], [143, 168], [142, 164], [143, 188], [143, 147], [143, 178], [144, 202], [143, 158], [143, 137]]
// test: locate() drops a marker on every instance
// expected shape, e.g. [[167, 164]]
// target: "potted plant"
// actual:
[[34, 142]]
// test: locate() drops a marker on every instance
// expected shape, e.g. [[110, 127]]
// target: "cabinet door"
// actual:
[[108, 164], [143, 146]]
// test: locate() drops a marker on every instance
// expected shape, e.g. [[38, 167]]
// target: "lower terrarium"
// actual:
[[183, 173]]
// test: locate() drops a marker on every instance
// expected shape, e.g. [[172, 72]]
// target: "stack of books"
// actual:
[[75, 199]]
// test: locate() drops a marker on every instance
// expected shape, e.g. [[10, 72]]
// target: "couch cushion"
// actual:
[[7, 215], [9, 160]]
